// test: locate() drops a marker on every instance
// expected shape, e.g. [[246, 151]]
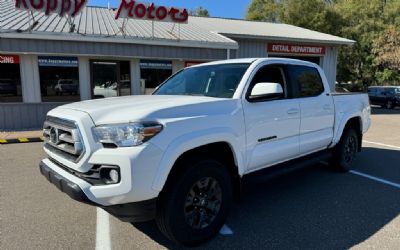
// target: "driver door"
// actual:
[[272, 125]]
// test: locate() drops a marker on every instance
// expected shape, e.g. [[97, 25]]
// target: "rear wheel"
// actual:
[[346, 150], [194, 205]]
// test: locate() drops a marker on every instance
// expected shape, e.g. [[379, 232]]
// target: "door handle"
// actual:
[[293, 111]]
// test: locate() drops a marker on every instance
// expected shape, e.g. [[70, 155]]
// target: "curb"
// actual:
[[21, 140]]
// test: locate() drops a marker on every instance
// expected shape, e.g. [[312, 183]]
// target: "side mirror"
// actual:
[[265, 90]]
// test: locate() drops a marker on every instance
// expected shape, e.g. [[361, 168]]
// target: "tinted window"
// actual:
[[10, 82], [307, 80], [270, 73]]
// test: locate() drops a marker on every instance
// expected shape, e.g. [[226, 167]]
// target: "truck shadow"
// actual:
[[312, 208]]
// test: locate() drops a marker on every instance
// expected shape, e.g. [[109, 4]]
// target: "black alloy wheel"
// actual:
[[203, 203], [346, 150], [195, 202]]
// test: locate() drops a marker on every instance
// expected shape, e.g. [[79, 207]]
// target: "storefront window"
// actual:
[[110, 78], [10, 79], [153, 73], [59, 78]]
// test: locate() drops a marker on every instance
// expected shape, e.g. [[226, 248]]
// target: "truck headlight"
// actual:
[[127, 135]]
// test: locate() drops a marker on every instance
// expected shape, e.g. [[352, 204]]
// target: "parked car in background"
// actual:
[[66, 86], [113, 89], [8, 87], [385, 96]]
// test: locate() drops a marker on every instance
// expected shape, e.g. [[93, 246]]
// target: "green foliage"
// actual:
[[373, 24], [200, 11]]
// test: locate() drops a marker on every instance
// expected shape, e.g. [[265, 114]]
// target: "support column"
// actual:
[[84, 78], [135, 76], [30, 82]]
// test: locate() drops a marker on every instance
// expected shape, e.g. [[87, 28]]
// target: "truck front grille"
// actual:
[[62, 137]]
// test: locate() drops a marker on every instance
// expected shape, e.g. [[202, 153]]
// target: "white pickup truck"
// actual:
[[178, 156]]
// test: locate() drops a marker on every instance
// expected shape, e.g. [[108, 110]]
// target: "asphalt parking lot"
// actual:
[[311, 208]]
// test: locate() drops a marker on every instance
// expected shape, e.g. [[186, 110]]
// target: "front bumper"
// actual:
[[63, 184], [132, 212]]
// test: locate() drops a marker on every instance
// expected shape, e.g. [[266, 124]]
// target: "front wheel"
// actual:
[[194, 205], [346, 150]]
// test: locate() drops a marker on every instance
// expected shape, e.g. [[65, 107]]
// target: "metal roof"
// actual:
[[264, 30], [99, 24]]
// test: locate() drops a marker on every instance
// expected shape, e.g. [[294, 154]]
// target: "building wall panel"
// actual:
[[103, 49], [19, 116]]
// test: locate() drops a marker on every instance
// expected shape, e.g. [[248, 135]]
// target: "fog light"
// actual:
[[114, 175], [109, 174]]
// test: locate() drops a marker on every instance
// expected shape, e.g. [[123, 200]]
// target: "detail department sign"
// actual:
[[295, 49]]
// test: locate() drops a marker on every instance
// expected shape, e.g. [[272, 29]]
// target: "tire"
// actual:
[[182, 202], [345, 151], [389, 104]]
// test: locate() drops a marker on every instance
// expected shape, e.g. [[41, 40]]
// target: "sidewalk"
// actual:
[[21, 136]]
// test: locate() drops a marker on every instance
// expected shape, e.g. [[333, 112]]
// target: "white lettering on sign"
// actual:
[[9, 59], [296, 49], [61, 7], [149, 11]]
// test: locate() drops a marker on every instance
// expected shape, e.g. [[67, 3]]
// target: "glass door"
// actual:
[[110, 78]]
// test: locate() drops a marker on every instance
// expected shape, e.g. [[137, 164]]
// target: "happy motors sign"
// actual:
[[149, 11], [61, 7]]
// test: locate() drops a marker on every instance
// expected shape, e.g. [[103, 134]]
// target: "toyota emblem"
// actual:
[[54, 136]]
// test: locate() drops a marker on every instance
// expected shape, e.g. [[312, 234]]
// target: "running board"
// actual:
[[292, 165]]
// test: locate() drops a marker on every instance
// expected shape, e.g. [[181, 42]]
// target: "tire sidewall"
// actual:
[[342, 164], [175, 200]]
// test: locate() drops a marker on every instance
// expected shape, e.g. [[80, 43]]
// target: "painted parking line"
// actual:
[[382, 144], [386, 182], [103, 237]]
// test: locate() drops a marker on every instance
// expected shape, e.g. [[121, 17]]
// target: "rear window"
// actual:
[[307, 81]]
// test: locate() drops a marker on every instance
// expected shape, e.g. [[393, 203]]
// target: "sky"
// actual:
[[216, 8]]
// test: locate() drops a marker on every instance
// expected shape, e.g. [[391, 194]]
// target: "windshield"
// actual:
[[212, 80]]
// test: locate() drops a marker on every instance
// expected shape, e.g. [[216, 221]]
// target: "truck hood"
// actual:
[[152, 108]]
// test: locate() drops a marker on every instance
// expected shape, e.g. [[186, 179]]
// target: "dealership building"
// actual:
[[47, 60]]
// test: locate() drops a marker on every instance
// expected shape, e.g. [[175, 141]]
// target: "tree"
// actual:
[[265, 10], [387, 56], [373, 24], [200, 11]]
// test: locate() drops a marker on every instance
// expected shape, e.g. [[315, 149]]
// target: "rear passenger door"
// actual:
[[316, 106]]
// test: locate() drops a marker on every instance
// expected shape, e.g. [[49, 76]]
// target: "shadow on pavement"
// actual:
[[312, 208], [381, 111], [379, 162]]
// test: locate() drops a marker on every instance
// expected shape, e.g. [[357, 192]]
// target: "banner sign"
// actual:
[[61, 7], [155, 64], [149, 11], [295, 49], [9, 59], [58, 61]]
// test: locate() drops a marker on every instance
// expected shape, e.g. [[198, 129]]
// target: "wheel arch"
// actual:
[[221, 151], [354, 122]]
